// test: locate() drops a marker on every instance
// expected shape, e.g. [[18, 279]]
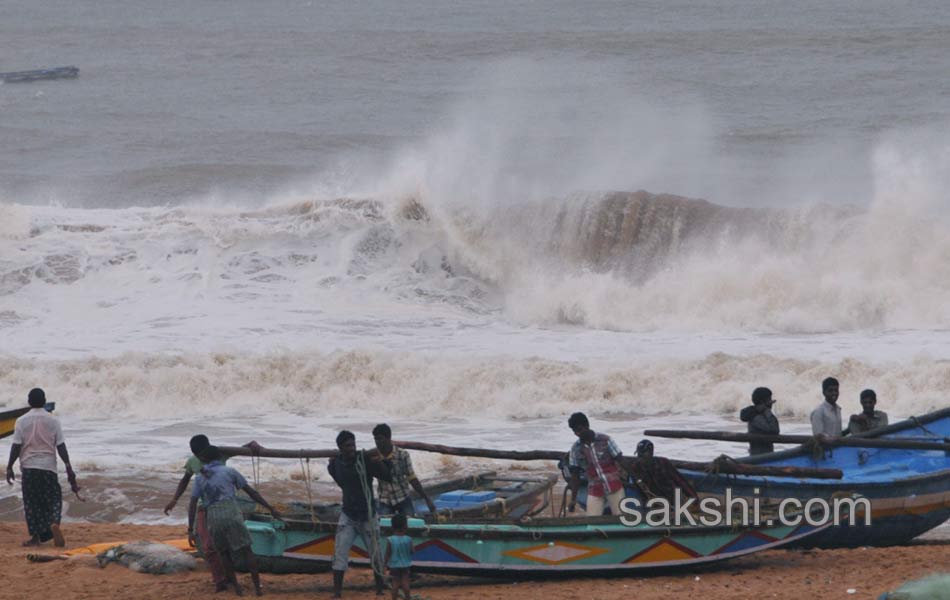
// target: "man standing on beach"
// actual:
[[598, 456], [826, 419], [199, 443], [354, 471], [869, 418], [37, 438], [394, 496]]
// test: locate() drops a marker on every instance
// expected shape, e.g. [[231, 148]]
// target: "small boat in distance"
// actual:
[[40, 74]]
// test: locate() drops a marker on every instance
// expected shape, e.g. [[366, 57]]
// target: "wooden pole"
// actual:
[[276, 452], [484, 453], [855, 442], [725, 467]]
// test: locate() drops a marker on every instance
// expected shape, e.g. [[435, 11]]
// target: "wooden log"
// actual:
[[854, 442], [718, 466], [485, 453], [276, 452]]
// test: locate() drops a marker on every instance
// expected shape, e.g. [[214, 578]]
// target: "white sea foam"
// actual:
[[393, 385]]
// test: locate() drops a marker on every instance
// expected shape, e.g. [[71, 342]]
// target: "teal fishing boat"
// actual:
[[529, 549]]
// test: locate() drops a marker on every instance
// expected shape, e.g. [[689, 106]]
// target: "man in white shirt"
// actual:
[[37, 438], [826, 419]]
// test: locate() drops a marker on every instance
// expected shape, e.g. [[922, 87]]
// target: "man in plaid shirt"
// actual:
[[394, 496], [598, 457]]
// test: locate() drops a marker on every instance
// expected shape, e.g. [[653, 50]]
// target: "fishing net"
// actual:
[[148, 557]]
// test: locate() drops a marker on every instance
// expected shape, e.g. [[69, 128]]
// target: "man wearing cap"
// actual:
[[761, 420], [826, 419], [598, 456], [869, 418], [656, 476], [37, 438]]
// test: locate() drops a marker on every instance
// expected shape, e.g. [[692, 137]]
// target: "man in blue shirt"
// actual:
[[217, 485]]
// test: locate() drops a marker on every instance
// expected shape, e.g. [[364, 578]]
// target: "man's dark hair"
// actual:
[[644, 447], [37, 398], [399, 521], [383, 430], [578, 419], [868, 394], [760, 395], [198, 443], [828, 382], [343, 437]]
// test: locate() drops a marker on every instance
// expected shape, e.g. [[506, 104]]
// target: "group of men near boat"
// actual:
[[216, 522], [825, 418]]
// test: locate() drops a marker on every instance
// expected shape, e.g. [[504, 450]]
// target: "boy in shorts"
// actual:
[[399, 557]]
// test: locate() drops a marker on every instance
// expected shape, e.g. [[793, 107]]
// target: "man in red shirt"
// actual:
[[596, 455]]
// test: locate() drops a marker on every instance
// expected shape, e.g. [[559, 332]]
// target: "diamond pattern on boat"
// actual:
[[556, 553]]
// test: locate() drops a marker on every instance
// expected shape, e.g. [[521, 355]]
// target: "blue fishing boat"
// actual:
[[908, 490]]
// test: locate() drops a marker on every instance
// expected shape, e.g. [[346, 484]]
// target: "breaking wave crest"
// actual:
[[399, 384], [621, 261]]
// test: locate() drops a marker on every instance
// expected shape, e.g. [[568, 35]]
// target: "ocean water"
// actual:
[[275, 220]]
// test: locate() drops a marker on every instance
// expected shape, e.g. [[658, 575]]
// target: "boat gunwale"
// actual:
[[843, 484]]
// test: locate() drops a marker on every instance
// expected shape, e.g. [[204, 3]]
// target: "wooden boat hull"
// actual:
[[908, 490], [558, 546], [8, 418]]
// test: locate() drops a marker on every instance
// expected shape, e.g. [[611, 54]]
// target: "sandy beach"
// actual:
[[776, 574]]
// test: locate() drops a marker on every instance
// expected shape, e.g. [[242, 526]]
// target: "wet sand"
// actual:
[[776, 574]]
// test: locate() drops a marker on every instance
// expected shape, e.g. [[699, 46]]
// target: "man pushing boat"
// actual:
[[394, 495], [655, 476], [354, 471]]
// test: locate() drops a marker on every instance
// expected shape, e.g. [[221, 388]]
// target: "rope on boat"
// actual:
[[921, 426], [307, 477], [256, 469], [375, 557]]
